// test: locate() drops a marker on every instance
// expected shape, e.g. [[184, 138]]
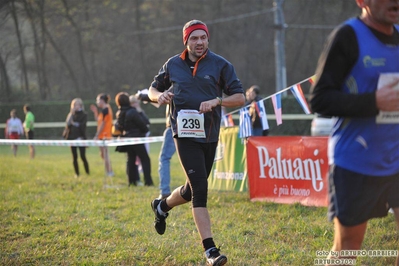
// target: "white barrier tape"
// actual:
[[82, 143], [132, 141]]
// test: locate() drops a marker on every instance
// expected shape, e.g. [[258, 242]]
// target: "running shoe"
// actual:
[[214, 258], [159, 222]]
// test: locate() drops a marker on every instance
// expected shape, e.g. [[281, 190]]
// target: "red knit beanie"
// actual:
[[187, 32]]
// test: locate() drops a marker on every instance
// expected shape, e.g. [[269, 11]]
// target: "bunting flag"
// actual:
[[260, 108], [276, 99], [245, 123], [311, 79], [298, 93], [228, 120]]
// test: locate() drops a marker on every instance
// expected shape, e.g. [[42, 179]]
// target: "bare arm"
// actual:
[[94, 109], [99, 130]]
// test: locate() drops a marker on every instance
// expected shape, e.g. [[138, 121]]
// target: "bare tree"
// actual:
[[140, 42], [43, 46], [88, 78], [90, 45], [63, 59], [39, 49], [14, 16], [4, 79], [85, 47]]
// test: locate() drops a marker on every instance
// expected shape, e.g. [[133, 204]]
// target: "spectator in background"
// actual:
[[104, 126], [14, 129], [168, 148], [76, 130], [165, 155], [135, 102], [252, 96], [29, 127], [131, 123]]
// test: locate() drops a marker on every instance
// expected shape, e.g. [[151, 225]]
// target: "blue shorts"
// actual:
[[355, 198]]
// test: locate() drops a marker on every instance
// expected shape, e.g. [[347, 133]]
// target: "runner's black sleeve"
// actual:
[[336, 61]]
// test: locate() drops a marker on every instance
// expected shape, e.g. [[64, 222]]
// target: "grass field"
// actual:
[[48, 217]]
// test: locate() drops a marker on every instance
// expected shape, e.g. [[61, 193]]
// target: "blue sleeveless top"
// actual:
[[359, 144]]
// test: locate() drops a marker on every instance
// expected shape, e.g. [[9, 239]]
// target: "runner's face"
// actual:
[[384, 12], [197, 44]]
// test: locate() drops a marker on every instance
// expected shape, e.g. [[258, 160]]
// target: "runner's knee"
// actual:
[[200, 192], [185, 192]]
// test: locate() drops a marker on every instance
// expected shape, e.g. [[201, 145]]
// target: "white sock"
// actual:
[[160, 211]]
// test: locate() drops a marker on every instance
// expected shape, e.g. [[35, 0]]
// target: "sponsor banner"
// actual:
[[229, 170], [288, 169]]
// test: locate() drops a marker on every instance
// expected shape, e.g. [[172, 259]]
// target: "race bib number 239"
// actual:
[[190, 124]]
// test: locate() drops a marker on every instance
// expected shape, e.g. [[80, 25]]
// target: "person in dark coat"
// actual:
[[131, 123], [76, 130], [252, 97]]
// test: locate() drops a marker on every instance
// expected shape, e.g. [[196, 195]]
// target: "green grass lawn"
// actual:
[[48, 217]]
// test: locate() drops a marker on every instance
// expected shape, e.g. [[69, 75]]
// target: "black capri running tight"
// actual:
[[197, 160], [82, 151]]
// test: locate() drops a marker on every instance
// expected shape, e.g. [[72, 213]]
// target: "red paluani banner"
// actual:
[[288, 169]]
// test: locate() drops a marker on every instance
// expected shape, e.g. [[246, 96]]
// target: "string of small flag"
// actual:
[[245, 125]]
